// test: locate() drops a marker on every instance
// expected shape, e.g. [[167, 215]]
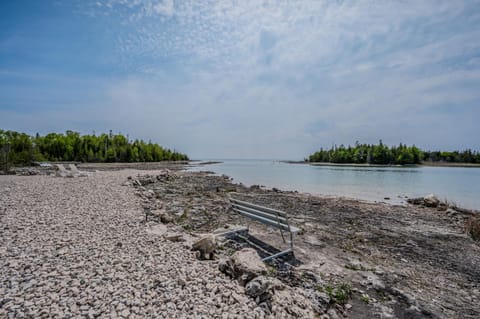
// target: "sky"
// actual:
[[245, 79]]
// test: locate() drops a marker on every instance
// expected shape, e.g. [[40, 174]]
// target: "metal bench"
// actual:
[[62, 172], [76, 172], [268, 216]]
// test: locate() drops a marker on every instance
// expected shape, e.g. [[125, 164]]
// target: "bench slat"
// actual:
[[261, 219], [263, 214], [267, 221], [258, 207]]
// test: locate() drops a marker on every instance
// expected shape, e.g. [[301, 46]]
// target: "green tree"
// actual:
[[22, 149]]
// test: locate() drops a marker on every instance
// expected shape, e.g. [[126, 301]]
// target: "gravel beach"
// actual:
[[79, 247]]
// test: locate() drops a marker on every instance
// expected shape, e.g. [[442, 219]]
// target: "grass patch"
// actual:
[[182, 218], [271, 271], [230, 251], [473, 227], [339, 293], [365, 298]]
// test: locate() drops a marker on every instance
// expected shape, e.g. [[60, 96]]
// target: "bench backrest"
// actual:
[[265, 215]]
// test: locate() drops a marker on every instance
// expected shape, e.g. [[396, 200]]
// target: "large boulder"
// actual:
[[243, 265]]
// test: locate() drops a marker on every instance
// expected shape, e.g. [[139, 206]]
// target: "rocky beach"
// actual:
[[118, 243]]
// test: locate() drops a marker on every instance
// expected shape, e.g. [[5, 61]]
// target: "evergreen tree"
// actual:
[[23, 149], [382, 154]]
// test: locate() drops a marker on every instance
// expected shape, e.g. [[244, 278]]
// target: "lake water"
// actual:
[[455, 184]]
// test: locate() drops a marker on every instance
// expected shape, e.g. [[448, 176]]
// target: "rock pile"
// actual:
[[269, 293], [428, 201], [147, 179], [27, 171], [196, 201]]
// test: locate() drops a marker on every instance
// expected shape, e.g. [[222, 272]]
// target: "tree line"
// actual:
[[22, 149], [395, 155]]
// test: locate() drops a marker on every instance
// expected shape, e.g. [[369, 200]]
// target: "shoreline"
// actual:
[[338, 237], [389, 199], [393, 199], [423, 164], [390, 256]]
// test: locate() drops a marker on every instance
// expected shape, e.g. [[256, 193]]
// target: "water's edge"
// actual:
[[388, 184]]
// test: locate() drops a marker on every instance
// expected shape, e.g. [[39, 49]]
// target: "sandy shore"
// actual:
[[74, 247]]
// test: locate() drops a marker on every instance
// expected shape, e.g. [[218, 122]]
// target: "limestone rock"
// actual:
[[451, 212], [205, 246], [321, 301], [415, 201], [166, 175], [257, 286], [166, 218], [157, 230], [244, 265], [175, 237], [296, 304], [146, 180], [431, 201], [332, 313]]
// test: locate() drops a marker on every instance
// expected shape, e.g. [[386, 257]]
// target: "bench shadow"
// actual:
[[265, 250]]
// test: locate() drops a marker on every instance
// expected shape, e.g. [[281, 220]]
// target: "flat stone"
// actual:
[[157, 230], [175, 237]]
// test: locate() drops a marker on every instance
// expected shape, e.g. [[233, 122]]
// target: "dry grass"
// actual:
[[473, 227]]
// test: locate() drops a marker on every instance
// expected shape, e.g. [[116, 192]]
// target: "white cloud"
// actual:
[[279, 79]]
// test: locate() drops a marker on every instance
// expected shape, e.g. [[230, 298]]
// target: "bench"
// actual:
[[62, 172], [75, 171], [268, 216]]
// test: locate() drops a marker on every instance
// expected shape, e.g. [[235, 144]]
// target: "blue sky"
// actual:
[[245, 79]]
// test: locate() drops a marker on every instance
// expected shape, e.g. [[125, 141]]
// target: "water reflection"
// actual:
[[455, 184]]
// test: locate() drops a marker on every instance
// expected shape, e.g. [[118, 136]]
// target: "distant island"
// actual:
[[22, 149], [381, 154]]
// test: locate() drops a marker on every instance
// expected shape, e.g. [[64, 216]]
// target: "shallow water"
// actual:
[[455, 184]]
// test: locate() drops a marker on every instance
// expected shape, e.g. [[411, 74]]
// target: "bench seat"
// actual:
[[268, 216]]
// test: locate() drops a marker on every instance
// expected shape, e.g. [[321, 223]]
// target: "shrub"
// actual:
[[473, 227], [339, 294]]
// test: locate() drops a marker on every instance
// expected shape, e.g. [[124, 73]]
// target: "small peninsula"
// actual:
[[382, 154]]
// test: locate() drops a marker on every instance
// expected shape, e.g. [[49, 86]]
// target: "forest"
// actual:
[[395, 155], [22, 149]]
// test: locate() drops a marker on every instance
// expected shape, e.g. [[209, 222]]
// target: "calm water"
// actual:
[[455, 184]]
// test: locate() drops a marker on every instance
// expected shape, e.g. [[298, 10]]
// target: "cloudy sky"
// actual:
[[245, 79]]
